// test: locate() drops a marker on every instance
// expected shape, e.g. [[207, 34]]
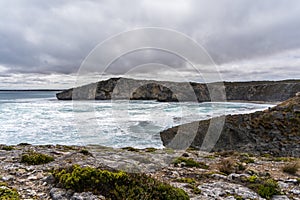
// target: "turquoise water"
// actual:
[[38, 118]]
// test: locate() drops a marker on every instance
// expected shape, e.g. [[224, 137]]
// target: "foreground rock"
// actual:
[[122, 88], [275, 131], [200, 174]]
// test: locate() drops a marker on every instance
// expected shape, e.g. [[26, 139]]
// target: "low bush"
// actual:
[[7, 148], [116, 185], [85, 152], [189, 162], [131, 149], [266, 188], [150, 149], [34, 158], [186, 180], [8, 193]]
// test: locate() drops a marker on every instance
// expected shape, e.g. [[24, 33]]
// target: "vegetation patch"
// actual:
[[282, 159], [226, 153], [266, 188], [24, 144], [131, 149], [7, 193], [236, 197], [226, 166], [186, 180], [34, 158], [7, 148], [191, 184], [66, 147], [85, 152], [291, 168], [116, 185], [192, 149], [241, 167], [189, 162], [150, 149], [252, 179]]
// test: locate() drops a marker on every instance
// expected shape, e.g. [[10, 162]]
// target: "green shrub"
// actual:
[[131, 149], [116, 185], [189, 162], [282, 159], [8, 193], [24, 144], [85, 152], [291, 168], [150, 149], [7, 148], [266, 188], [196, 190], [186, 180], [241, 167], [252, 179], [34, 158]]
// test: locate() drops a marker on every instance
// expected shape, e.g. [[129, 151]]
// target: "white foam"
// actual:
[[116, 124]]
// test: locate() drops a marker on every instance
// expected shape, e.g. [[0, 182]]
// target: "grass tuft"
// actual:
[[226, 166], [291, 168]]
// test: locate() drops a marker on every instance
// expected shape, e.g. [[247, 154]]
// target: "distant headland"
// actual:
[[124, 88]]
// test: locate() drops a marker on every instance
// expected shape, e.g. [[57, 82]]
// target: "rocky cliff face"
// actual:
[[274, 131], [122, 88]]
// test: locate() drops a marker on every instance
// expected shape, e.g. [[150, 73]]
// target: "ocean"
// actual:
[[38, 118]]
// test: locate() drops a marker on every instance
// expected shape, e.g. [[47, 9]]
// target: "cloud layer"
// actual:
[[248, 40]]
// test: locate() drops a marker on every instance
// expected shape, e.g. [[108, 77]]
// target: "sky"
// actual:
[[44, 43]]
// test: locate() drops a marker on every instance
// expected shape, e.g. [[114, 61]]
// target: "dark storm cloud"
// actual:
[[55, 36]]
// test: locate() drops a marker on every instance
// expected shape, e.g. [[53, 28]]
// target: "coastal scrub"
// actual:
[[34, 158], [116, 185], [7, 193], [189, 162]]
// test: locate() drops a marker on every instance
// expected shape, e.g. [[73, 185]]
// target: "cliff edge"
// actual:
[[275, 131], [123, 88]]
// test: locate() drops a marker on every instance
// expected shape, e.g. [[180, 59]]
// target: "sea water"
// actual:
[[37, 117]]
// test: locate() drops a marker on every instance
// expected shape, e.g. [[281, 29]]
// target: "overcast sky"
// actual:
[[43, 43]]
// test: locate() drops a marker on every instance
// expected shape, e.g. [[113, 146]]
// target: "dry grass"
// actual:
[[226, 166], [291, 168]]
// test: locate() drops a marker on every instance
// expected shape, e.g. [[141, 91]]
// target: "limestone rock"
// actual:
[[123, 88], [274, 131]]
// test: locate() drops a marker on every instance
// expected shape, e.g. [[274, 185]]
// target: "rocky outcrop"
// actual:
[[274, 131], [122, 88]]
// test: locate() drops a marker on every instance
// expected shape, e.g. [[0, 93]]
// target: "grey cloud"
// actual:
[[55, 36]]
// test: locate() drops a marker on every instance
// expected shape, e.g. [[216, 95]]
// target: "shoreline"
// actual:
[[198, 177], [256, 102]]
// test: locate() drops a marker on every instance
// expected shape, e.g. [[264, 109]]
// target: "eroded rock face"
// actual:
[[122, 88], [274, 131]]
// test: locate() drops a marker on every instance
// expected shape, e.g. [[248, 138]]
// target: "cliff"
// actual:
[[275, 131], [122, 88]]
